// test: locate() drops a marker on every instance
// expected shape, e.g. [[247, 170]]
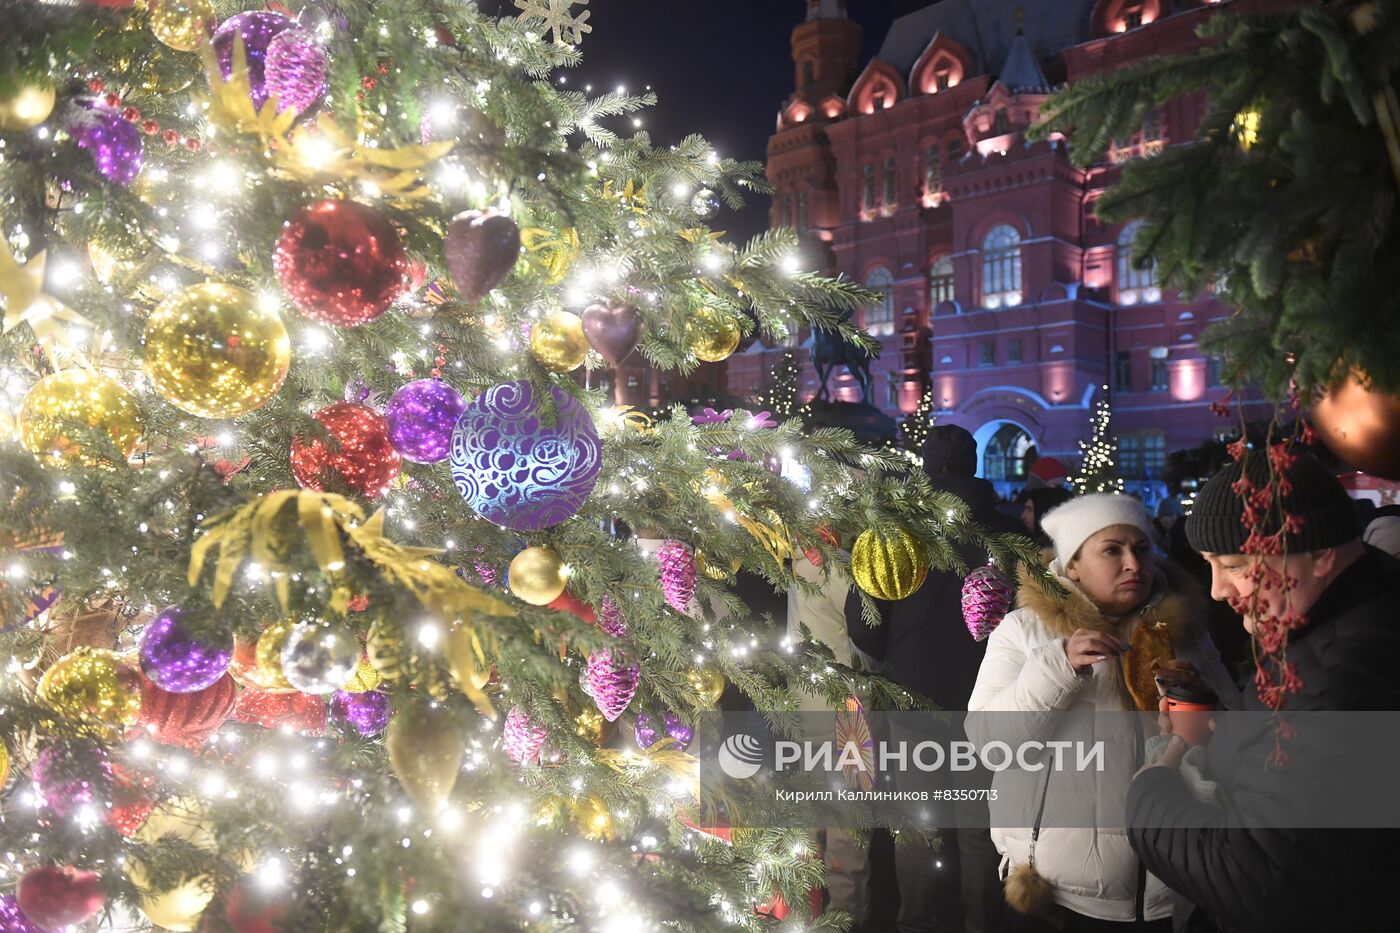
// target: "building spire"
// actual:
[[1021, 73], [826, 9]]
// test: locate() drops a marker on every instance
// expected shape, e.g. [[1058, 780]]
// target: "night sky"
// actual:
[[721, 68]]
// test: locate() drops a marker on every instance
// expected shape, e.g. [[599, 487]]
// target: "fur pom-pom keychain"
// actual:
[[1027, 891]]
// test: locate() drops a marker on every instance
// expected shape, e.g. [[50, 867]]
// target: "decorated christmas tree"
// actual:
[[1097, 471], [915, 427], [781, 396], [313, 616]]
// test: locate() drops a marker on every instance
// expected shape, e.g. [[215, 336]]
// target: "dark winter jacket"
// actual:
[[1239, 878], [923, 638]]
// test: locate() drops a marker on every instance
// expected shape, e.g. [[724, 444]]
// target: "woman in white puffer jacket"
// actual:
[[1092, 651]]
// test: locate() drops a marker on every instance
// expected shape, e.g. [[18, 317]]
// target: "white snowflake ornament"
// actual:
[[558, 15]]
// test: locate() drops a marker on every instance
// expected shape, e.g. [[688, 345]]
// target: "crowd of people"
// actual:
[[1153, 604]]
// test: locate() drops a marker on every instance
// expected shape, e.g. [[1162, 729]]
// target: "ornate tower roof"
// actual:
[[1021, 73]]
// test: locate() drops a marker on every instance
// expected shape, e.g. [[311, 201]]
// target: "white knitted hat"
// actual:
[[1384, 533], [1076, 521]]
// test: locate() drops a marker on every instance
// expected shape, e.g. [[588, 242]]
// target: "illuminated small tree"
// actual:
[[1097, 457]]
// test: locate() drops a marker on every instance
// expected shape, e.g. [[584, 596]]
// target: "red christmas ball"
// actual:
[[567, 602], [300, 712], [131, 800], [341, 262], [56, 896], [366, 462], [247, 673], [186, 719], [250, 910]]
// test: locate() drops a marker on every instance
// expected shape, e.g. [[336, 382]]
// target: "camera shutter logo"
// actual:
[[741, 756]]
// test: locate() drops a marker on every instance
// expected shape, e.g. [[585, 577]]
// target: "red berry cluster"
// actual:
[[149, 127], [1275, 678]]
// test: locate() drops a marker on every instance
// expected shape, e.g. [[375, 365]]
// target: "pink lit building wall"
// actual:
[[1002, 292]]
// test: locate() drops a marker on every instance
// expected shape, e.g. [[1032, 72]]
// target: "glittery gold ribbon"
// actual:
[[318, 153], [555, 253], [772, 533], [326, 523]]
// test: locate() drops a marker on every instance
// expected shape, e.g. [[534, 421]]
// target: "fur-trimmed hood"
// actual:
[[1172, 618]]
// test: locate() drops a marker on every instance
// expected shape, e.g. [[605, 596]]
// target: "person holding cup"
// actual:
[[1095, 647], [1242, 861]]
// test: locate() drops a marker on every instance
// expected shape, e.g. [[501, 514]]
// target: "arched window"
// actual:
[[1135, 286], [867, 190], [933, 168], [808, 72], [879, 317], [943, 75], [891, 183], [956, 145], [1001, 267], [940, 282], [801, 213], [1001, 124], [1005, 457], [787, 209]]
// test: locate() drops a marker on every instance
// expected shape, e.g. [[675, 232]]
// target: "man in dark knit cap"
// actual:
[[924, 645], [1237, 861]]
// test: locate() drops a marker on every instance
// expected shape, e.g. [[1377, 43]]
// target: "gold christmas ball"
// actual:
[[4, 765], [93, 686], [182, 24], [594, 820], [707, 682], [268, 673], [1360, 425], [425, 752], [74, 400], [213, 350], [179, 907], [108, 264], [538, 575], [888, 566], [385, 648], [712, 335], [589, 725], [558, 343], [27, 107], [365, 678]]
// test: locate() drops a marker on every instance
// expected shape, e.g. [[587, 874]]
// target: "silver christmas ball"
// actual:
[[704, 203], [320, 657]]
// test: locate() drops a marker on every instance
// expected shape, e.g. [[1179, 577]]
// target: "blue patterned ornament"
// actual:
[[514, 470]]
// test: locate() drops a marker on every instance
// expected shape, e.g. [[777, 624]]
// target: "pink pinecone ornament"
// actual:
[[610, 618], [677, 574], [523, 737], [986, 599], [611, 685]]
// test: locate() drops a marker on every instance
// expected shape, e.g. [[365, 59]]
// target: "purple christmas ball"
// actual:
[[522, 463], [113, 140], [176, 661], [645, 731], [70, 777], [368, 712], [421, 417], [295, 69], [12, 919], [257, 29]]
